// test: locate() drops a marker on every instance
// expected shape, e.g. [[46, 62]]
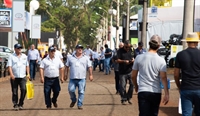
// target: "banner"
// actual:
[[18, 15], [5, 20], [35, 27]]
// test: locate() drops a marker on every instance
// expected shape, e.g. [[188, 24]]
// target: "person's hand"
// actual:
[[42, 80], [91, 78], [66, 77], [165, 99], [136, 89], [28, 77], [126, 61], [62, 80], [12, 77]]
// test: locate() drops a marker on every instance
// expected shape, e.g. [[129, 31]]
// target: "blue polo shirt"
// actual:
[[78, 66]]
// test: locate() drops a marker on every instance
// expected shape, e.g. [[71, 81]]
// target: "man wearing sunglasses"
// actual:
[[18, 67], [51, 68], [125, 58]]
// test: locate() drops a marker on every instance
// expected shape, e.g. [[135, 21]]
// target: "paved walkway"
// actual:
[[100, 100]]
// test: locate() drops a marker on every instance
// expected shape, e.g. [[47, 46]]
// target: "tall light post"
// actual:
[[33, 5], [105, 25], [128, 20]]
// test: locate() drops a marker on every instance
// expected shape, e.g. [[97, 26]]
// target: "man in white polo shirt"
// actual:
[[18, 67], [51, 68], [78, 64]]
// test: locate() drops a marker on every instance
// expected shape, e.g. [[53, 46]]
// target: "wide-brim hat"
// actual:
[[192, 37]]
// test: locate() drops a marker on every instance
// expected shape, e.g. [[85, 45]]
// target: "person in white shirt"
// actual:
[[95, 57], [58, 53], [101, 60], [88, 52], [51, 68], [33, 58]]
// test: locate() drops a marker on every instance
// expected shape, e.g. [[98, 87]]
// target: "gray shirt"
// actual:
[[78, 66], [149, 66]]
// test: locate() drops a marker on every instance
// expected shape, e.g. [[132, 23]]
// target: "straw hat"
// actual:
[[192, 37]]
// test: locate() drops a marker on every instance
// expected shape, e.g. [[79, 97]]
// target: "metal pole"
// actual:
[[144, 24], [128, 20], [188, 21], [117, 27], [111, 39]]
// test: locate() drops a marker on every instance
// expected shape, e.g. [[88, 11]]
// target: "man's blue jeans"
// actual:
[[107, 65], [32, 66], [51, 84], [190, 98], [80, 83]]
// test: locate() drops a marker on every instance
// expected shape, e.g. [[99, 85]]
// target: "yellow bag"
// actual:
[[29, 89]]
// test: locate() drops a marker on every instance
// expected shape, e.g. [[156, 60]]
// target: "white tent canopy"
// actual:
[[166, 22]]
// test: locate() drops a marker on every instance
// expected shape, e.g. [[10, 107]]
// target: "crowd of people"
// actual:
[[142, 70]]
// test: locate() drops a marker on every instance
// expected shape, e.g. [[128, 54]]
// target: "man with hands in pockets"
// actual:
[[78, 64], [51, 68]]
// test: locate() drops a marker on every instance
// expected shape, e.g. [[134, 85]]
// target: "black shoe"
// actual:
[[129, 102], [80, 107], [55, 105], [48, 108], [72, 104]]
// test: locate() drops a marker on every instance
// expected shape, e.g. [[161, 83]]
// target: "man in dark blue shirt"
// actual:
[[139, 50]]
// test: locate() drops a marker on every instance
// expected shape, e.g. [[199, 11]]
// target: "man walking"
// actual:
[[18, 67], [188, 63], [125, 58], [107, 54], [101, 60], [78, 65], [152, 69], [51, 68], [33, 57]]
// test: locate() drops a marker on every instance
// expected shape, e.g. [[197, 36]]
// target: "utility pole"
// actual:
[[128, 20], [111, 26], [188, 21], [144, 24], [117, 27]]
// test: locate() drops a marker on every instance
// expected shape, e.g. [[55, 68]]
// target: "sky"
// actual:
[[181, 2]]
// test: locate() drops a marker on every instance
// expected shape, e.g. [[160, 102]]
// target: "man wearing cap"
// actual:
[[152, 69], [78, 65], [58, 53], [51, 68], [139, 50], [88, 52], [33, 57], [188, 62], [18, 67]]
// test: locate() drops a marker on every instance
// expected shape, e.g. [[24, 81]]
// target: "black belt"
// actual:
[[51, 78]]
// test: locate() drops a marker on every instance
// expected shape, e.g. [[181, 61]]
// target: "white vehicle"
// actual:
[[5, 52]]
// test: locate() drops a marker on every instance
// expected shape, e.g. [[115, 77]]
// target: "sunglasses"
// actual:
[[19, 48], [127, 47]]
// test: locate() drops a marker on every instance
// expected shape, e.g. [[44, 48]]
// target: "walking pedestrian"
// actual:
[[139, 50], [152, 69], [125, 58], [107, 54], [101, 60], [58, 53], [18, 67], [78, 65], [51, 68], [188, 63], [33, 57], [116, 68]]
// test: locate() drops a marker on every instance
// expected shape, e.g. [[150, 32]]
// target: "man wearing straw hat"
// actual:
[[188, 62]]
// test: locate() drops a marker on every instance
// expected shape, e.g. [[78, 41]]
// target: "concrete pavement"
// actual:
[[100, 100]]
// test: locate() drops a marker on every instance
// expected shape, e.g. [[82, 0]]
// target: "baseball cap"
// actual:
[[51, 49], [156, 38], [18, 46], [79, 46]]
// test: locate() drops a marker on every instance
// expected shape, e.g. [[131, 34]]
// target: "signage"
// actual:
[[35, 27], [5, 18], [18, 15]]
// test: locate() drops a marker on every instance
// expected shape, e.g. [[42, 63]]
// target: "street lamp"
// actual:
[[33, 5], [105, 25]]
